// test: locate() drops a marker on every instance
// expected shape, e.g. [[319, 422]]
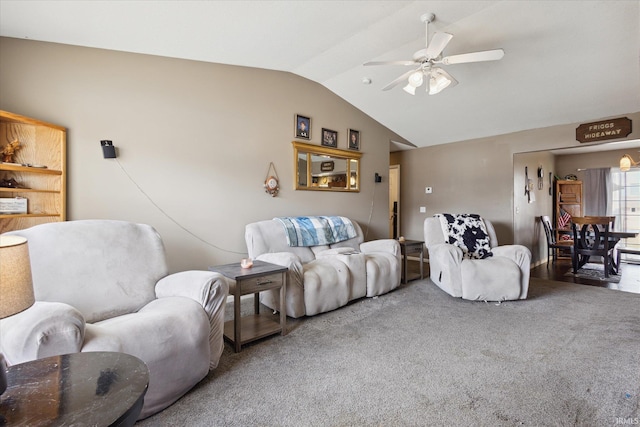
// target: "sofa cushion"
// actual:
[[175, 347], [326, 285]]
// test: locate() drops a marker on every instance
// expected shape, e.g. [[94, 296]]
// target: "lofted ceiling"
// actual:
[[565, 61]]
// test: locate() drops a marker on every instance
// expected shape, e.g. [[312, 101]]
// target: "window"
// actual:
[[626, 203]]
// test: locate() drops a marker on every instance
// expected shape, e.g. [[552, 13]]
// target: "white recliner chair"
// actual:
[[465, 260], [103, 285]]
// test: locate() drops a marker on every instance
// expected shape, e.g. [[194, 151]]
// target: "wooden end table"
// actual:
[[89, 389], [262, 276], [411, 247]]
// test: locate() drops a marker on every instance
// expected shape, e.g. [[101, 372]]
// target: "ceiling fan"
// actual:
[[438, 79]]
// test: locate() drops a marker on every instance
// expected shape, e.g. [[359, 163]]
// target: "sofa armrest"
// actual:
[[444, 257], [210, 290], [445, 252], [521, 255], [206, 287], [381, 245], [445, 262], [45, 329]]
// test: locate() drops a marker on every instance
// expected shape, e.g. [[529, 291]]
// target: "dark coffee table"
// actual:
[[84, 389]]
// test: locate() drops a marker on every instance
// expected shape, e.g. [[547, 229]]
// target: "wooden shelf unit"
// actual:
[[42, 144], [568, 197]]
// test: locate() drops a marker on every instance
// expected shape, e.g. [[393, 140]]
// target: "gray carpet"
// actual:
[[569, 355]]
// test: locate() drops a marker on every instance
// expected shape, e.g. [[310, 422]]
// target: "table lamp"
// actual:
[[16, 286]]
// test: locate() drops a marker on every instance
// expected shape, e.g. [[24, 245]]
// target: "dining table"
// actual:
[[614, 239]]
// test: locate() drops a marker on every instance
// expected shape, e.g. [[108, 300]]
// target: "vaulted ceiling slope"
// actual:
[[565, 61]]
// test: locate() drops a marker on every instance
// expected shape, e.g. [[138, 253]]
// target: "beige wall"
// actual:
[[569, 164], [197, 139], [527, 211], [486, 176]]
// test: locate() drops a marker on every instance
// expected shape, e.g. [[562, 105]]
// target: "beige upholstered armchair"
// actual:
[[466, 261], [103, 285]]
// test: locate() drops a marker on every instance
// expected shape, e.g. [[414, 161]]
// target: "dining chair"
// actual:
[[591, 238], [554, 246]]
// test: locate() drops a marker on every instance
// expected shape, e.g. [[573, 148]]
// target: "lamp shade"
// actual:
[[414, 81], [16, 285], [625, 163], [439, 80], [411, 90]]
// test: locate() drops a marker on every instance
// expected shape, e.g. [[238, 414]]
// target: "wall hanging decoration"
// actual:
[[271, 184], [321, 168], [540, 178], [354, 139], [329, 138], [528, 186], [303, 127]]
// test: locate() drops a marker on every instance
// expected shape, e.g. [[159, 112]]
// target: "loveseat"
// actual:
[[466, 261], [324, 277], [103, 285]]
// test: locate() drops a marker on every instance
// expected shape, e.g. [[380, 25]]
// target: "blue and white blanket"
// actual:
[[317, 230], [468, 232]]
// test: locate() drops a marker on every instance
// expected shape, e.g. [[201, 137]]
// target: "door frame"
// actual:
[[394, 196]]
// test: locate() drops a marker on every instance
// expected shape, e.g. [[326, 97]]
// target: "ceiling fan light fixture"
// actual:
[[626, 162], [411, 90], [415, 80], [438, 81]]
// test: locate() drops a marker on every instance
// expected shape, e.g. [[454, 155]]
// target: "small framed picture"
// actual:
[[329, 137], [354, 140], [303, 127]]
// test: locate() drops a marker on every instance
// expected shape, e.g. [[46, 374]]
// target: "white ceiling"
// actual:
[[565, 61]]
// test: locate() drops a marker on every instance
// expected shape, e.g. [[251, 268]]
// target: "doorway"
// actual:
[[394, 201]]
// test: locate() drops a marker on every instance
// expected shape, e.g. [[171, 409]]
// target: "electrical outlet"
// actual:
[[423, 209], [428, 190]]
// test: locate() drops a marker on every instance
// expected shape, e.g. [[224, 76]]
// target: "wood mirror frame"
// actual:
[[319, 168]]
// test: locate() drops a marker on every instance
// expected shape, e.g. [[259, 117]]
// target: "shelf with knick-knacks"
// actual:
[[32, 172]]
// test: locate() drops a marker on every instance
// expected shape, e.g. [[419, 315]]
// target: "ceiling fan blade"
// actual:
[[437, 45], [400, 79], [487, 55], [389, 63]]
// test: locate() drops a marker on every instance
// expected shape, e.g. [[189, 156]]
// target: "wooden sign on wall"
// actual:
[[604, 130]]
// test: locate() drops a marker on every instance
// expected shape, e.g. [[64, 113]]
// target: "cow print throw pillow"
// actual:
[[468, 232]]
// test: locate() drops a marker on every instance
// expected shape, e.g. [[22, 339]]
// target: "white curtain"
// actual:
[[597, 192]]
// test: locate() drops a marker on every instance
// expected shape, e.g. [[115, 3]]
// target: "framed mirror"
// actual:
[[321, 168]]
